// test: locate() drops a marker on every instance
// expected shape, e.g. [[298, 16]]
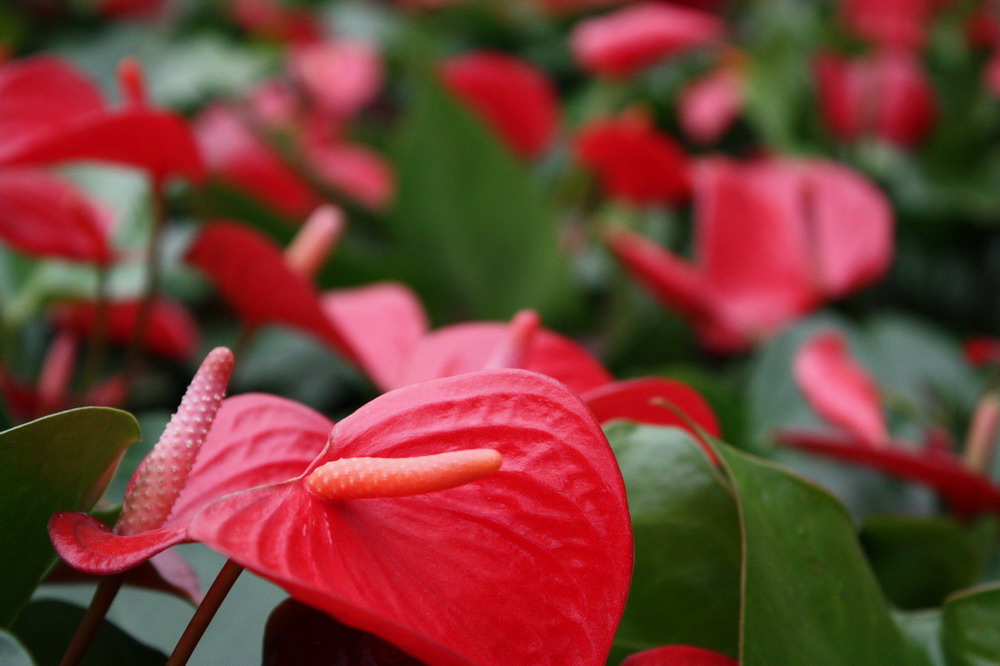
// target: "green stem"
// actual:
[[97, 345], [105, 593], [134, 355], [205, 612]]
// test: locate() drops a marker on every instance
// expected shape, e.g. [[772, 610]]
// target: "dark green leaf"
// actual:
[[471, 227], [922, 632], [59, 462], [686, 582], [46, 627], [809, 597], [971, 627]]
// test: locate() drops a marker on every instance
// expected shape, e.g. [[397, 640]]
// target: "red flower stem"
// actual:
[[134, 356], [204, 613], [107, 590], [97, 345]]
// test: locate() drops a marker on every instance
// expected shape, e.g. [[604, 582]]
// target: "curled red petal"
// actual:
[[968, 493], [41, 215], [655, 401], [450, 577], [382, 324], [619, 43], [87, 545], [634, 161], [470, 347], [679, 655], [250, 272], [839, 389], [171, 331], [255, 439], [514, 97]]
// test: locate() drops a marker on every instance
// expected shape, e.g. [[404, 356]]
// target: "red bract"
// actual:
[[52, 114], [619, 43], [982, 350], [710, 105], [170, 330], [513, 97], [901, 23], [45, 216], [679, 655], [885, 95], [843, 393], [773, 239], [634, 161], [540, 550]]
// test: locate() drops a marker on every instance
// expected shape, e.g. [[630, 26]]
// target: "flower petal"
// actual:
[[447, 576], [88, 545], [170, 331], [679, 655]]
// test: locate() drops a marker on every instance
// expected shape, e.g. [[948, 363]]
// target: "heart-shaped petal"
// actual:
[[450, 576], [88, 545]]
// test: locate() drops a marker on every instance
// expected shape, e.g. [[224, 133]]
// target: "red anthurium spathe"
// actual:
[[635, 161], [982, 350], [773, 240], [148, 523], [626, 40], [679, 655], [885, 94], [898, 23], [340, 77], [539, 550], [52, 114], [514, 97], [41, 215], [839, 389], [709, 106], [844, 394]]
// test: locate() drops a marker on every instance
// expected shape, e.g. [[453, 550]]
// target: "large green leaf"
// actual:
[[46, 627], [809, 597], [971, 627], [59, 462], [471, 229], [686, 582], [922, 633]]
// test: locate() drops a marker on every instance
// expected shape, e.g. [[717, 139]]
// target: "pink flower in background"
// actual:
[[885, 94], [708, 107], [634, 161], [514, 97], [773, 240], [339, 77], [624, 41]]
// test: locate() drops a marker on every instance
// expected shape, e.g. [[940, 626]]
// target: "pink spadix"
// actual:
[[367, 478]]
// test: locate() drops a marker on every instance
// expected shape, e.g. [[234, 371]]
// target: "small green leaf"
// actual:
[[59, 462], [12, 653], [46, 627], [809, 597], [971, 627], [919, 561], [686, 581], [471, 228]]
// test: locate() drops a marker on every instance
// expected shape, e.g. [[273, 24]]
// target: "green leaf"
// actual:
[[971, 627], [919, 561], [471, 228], [922, 632], [686, 581], [12, 653], [59, 462], [46, 627], [809, 597]]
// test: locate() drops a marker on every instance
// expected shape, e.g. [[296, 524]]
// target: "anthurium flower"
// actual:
[[626, 40], [982, 350], [885, 94], [149, 521], [679, 655], [339, 76], [898, 23], [708, 107], [773, 240], [634, 161], [277, 20], [449, 517], [843, 393], [513, 97], [53, 114]]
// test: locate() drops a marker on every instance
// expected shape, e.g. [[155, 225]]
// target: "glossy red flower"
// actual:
[[679, 655], [901, 23], [635, 161], [843, 393], [53, 114], [513, 97], [540, 549], [628, 39], [885, 94], [773, 240]]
